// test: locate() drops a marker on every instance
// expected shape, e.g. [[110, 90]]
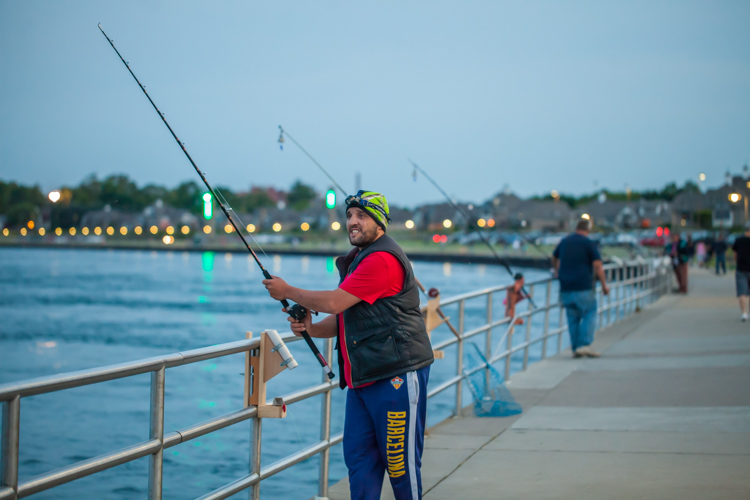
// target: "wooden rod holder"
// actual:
[[434, 319], [261, 365]]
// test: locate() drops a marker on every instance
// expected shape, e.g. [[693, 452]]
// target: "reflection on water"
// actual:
[[446, 268], [207, 259], [277, 264]]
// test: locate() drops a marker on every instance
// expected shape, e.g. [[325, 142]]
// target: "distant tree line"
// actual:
[[667, 193], [19, 203]]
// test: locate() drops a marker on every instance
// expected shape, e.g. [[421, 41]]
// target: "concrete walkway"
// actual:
[[665, 413]]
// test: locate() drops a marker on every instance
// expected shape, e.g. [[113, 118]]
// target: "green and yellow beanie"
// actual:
[[374, 204]]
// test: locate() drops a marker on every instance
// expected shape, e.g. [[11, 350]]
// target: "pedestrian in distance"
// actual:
[[741, 249], [719, 248], [515, 294], [679, 251], [701, 253], [690, 248], [384, 351], [576, 262], [710, 240]]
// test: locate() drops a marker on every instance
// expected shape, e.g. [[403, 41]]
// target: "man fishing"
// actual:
[[384, 352]]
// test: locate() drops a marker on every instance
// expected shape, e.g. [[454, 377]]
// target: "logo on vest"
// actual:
[[396, 382]]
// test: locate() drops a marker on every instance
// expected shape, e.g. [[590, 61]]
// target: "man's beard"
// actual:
[[364, 238]]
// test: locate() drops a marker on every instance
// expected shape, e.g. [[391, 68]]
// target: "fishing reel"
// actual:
[[298, 312]]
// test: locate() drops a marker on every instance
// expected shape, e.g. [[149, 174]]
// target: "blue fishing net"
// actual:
[[491, 397]]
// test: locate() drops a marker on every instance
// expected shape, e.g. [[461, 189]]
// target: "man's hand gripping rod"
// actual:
[[296, 311]]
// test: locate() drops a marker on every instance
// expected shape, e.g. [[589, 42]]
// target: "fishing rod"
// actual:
[[296, 311], [527, 240], [502, 260], [283, 133]]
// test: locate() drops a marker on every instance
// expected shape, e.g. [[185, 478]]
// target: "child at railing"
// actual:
[[514, 295]]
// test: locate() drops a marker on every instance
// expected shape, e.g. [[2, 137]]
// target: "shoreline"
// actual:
[[458, 258]]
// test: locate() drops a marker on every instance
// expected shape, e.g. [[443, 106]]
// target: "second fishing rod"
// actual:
[[500, 259], [296, 311]]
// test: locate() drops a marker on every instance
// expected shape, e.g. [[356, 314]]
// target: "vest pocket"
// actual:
[[374, 354]]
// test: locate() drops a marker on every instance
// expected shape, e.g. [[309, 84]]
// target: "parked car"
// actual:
[[468, 238], [550, 239], [654, 241], [619, 239]]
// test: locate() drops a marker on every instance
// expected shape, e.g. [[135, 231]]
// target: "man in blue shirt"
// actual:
[[576, 261]]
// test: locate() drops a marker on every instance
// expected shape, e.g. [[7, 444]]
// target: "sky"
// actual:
[[533, 96]]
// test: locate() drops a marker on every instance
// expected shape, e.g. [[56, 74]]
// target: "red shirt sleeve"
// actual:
[[379, 275]]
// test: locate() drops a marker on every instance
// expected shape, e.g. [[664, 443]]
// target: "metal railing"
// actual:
[[632, 284]]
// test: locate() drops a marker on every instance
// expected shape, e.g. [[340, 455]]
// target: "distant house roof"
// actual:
[[626, 213], [547, 210]]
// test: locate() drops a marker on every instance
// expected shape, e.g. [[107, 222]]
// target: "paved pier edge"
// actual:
[[665, 413]]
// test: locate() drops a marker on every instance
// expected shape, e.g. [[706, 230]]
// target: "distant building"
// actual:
[[714, 208], [107, 217], [540, 215], [433, 215], [640, 214]]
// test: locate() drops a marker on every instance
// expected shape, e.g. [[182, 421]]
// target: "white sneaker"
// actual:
[[745, 316], [587, 351]]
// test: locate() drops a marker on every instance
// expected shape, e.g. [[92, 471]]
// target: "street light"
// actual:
[[735, 197], [54, 196]]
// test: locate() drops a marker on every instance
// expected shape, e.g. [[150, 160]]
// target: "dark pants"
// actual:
[[721, 260], [681, 273]]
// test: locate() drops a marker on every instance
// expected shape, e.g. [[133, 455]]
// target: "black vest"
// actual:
[[387, 338]]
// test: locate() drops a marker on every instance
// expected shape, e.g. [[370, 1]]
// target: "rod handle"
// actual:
[[299, 312]]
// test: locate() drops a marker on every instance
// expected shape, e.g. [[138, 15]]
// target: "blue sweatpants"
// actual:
[[384, 432]]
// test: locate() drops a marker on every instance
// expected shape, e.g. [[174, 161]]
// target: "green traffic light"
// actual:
[[208, 209], [331, 199]]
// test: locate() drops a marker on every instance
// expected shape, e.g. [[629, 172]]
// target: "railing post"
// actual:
[[156, 432], [488, 344], [628, 301], [460, 355], [638, 279], [528, 329], [611, 279], [509, 346], [325, 431], [255, 439], [548, 296], [11, 427], [618, 292], [560, 327]]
